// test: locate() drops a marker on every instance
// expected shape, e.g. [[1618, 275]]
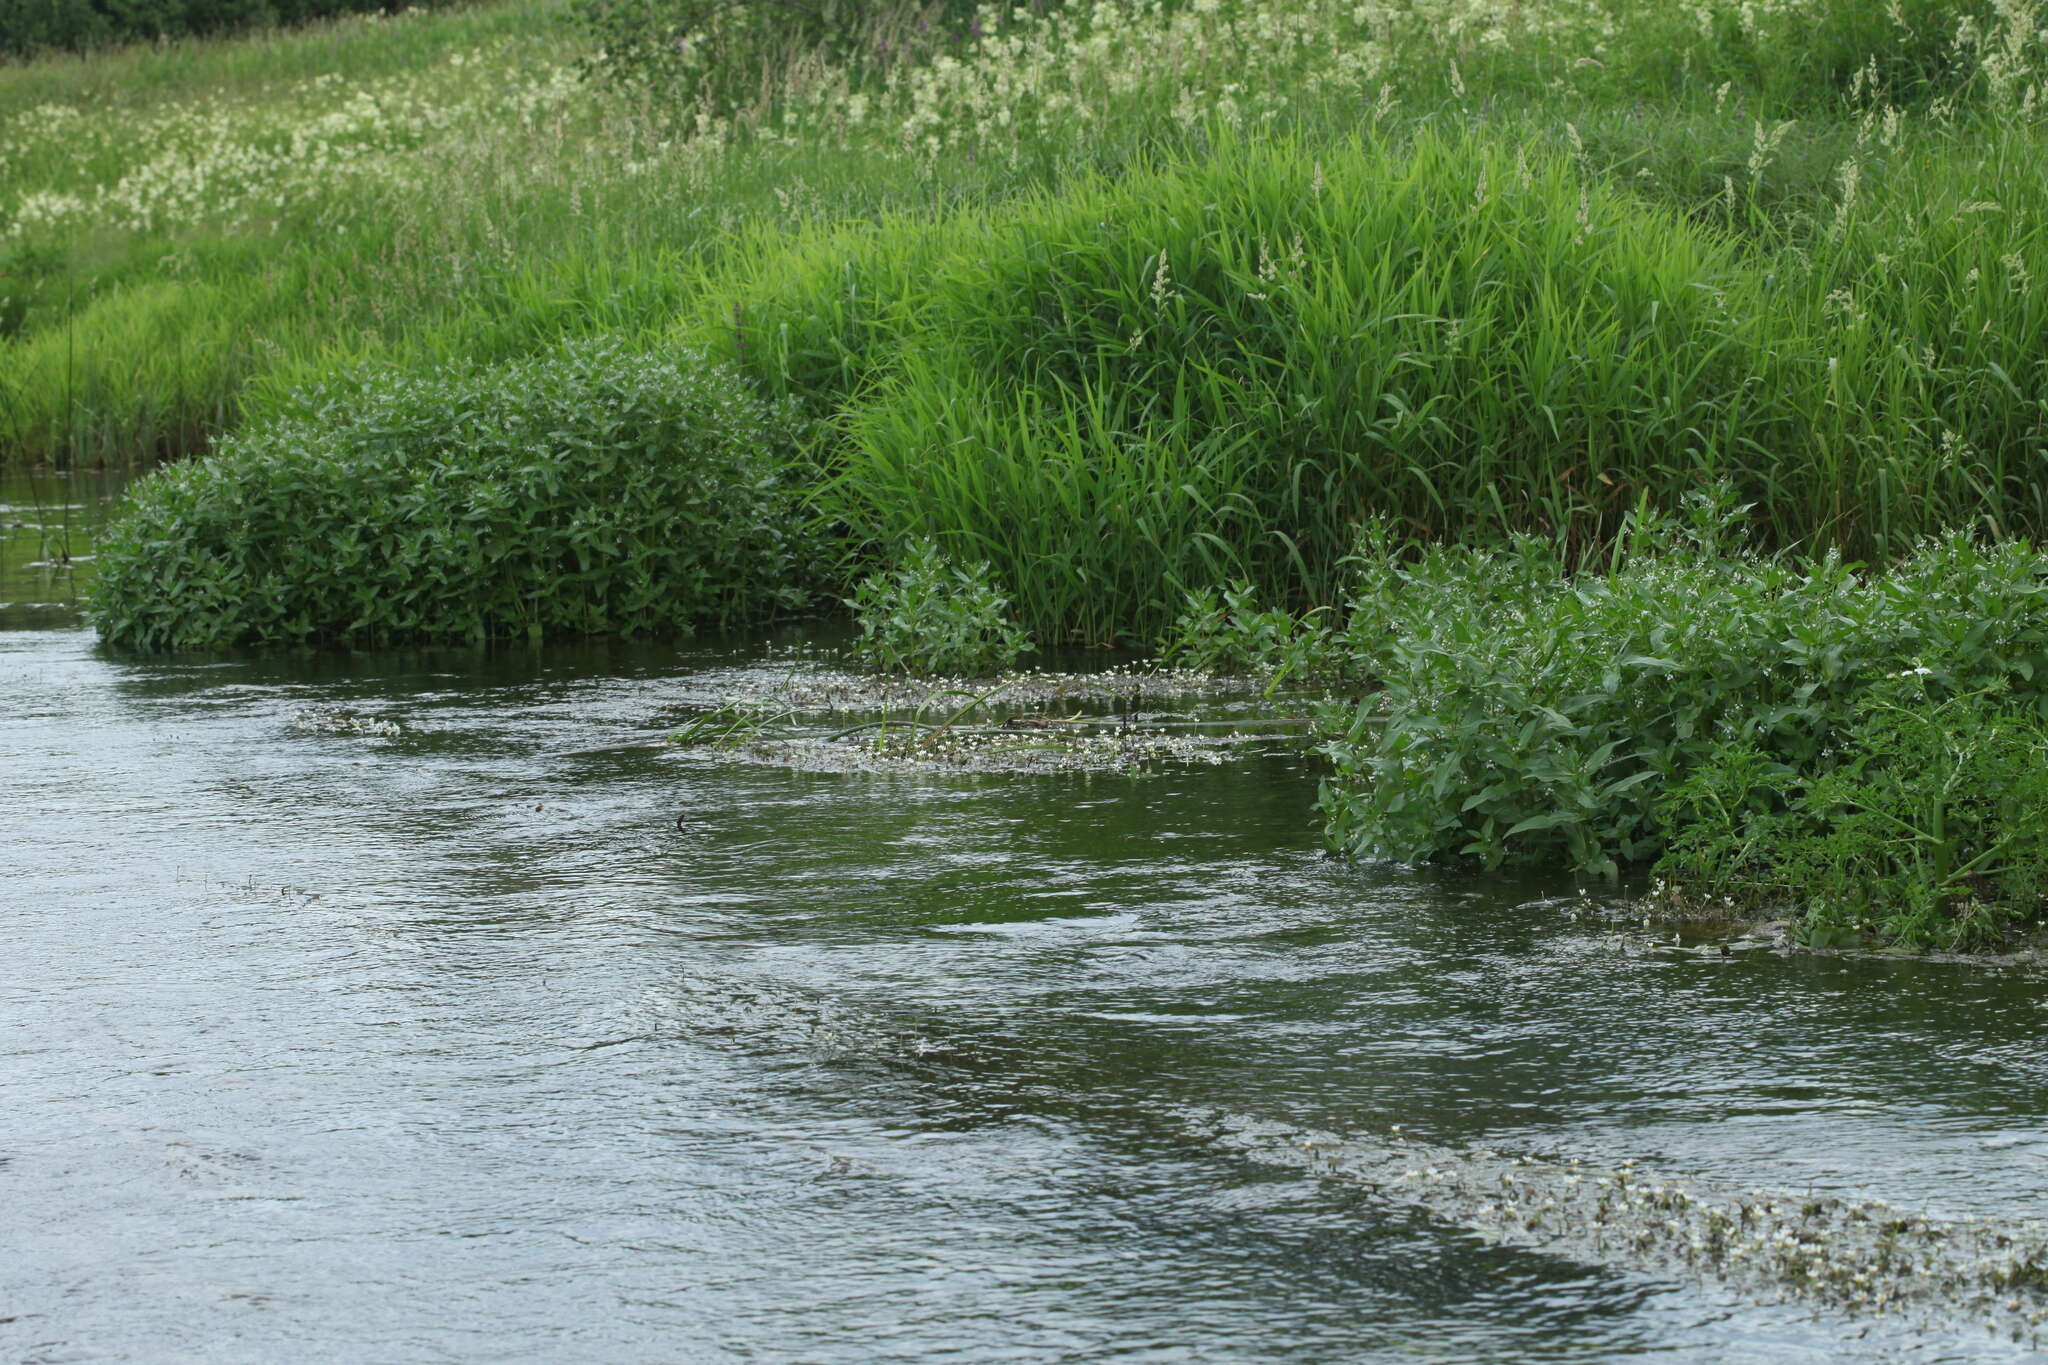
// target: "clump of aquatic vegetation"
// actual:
[[1021, 723], [1863, 744], [814, 679], [332, 720], [1926, 824], [931, 615], [1229, 632], [1864, 1257], [591, 490]]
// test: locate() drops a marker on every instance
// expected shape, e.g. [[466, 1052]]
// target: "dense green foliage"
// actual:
[[932, 616], [29, 26], [591, 490], [1527, 713], [1214, 370], [1927, 823], [1228, 632]]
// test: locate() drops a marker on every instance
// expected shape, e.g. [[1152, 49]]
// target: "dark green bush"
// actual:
[[1531, 714], [585, 491], [30, 26]]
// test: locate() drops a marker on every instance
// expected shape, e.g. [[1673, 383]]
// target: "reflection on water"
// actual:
[[48, 520]]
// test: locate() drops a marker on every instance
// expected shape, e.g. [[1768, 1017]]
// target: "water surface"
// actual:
[[48, 520], [514, 1037]]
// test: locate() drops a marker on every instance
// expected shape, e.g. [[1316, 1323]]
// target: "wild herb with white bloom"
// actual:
[[239, 162]]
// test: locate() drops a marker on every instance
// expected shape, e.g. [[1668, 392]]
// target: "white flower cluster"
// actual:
[[1053, 68], [234, 160]]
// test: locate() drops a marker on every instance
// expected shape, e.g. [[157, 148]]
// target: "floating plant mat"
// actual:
[[1664, 926], [1834, 1256], [1844, 1255], [804, 683], [1116, 720], [332, 720]]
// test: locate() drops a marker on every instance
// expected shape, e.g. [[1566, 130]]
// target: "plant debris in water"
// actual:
[[329, 720], [807, 685], [1846, 1255], [1028, 722], [994, 751]]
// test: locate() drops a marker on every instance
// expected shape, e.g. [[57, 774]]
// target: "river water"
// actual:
[[515, 1035]]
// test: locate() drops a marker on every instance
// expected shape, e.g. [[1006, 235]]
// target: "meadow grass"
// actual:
[[445, 183]]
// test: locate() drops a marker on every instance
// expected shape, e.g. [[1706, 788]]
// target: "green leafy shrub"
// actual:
[[933, 616], [591, 490], [1531, 714], [1927, 823], [1228, 633]]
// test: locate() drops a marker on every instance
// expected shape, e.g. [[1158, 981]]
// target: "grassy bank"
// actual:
[[186, 229]]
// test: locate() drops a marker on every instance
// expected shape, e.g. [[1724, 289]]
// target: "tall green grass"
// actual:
[[1226, 365], [1212, 370]]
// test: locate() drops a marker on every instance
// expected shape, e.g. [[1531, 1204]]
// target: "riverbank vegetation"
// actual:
[[1864, 744], [587, 491], [1151, 342]]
